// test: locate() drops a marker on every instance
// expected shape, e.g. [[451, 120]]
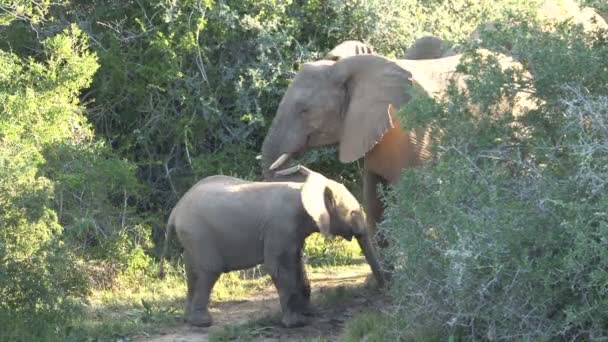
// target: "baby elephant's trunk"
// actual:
[[371, 256]]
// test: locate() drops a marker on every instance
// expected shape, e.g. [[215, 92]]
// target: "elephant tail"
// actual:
[[170, 226]]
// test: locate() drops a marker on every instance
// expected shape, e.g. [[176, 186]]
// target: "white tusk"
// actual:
[[280, 161], [289, 171], [258, 157], [304, 170], [298, 168]]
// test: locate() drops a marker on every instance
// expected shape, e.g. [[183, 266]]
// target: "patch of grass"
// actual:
[[373, 326], [337, 295], [145, 305], [234, 286], [151, 305], [263, 327], [129, 310], [369, 326], [321, 251]]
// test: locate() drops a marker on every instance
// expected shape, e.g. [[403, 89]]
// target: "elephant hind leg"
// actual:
[[199, 308], [191, 278]]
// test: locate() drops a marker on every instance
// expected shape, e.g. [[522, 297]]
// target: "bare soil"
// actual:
[[336, 295]]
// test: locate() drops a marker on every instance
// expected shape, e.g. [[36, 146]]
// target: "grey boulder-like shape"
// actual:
[[349, 48]]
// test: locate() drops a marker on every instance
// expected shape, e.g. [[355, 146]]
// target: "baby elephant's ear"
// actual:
[[318, 199]]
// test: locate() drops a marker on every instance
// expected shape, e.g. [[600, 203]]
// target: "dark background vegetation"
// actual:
[[110, 110]]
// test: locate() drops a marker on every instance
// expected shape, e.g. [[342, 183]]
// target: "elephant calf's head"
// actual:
[[336, 212]]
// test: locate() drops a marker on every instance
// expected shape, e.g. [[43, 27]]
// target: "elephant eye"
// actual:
[[301, 109]]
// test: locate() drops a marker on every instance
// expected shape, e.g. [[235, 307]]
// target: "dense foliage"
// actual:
[[110, 110], [43, 133], [503, 237]]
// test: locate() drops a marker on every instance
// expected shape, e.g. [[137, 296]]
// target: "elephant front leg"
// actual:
[[304, 302], [375, 212], [284, 269], [373, 204]]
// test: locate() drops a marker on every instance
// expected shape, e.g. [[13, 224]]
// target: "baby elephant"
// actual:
[[227, 224]]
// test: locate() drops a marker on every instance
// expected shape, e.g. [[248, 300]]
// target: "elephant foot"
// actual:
[[371, 282], [294, 319], [305, 309], [200, 319], [302, 306]]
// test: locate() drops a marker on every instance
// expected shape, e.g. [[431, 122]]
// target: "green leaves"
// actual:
[[40, 120], [501, 235]]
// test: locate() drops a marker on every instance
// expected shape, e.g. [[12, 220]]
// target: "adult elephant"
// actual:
[[425, 47], [348, 102]]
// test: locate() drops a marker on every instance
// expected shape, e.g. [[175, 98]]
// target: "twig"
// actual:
[[168, 174], [199, 55], [124, 209], [187, 149]]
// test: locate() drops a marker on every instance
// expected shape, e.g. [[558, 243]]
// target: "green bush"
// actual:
[[109, 111], [322, 251], [39, 275], [503, 235], [186, 90]]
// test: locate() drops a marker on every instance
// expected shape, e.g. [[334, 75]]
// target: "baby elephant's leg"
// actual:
[[283, 267], [191, 282], [199, 311], [303, 304]]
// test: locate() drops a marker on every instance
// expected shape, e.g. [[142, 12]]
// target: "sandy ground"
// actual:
[[327, 321]]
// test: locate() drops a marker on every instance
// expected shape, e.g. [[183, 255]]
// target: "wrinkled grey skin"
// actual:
[[226, 224]]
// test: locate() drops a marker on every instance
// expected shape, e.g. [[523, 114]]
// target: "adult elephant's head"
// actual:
[[343, 102]]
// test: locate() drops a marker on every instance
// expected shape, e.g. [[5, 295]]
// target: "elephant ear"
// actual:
[[372, 83], [318, 200]]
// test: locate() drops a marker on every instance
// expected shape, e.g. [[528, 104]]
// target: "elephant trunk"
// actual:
[[269, 154], [371, 256], [271, 148], [286, 136]]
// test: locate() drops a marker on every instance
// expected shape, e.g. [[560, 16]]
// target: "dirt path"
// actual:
[[336, 298]]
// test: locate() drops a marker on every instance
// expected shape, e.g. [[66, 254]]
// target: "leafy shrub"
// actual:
[[502, 236], [100, 136], [39, 276], [61, 193]]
